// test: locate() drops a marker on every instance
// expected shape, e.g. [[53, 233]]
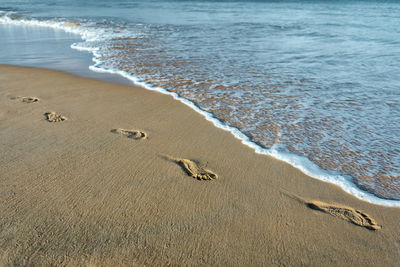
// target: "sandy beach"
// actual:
[[95, 173]]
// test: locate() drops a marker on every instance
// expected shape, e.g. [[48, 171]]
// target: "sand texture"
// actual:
[[99, 190]]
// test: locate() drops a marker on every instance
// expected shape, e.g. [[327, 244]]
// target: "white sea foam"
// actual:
[[308, 167]]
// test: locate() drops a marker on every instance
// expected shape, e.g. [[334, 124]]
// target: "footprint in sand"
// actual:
[[54, 117], [345, 213], [134, 134], [193, 169], [27, 99], [342, 212], [30, 99]]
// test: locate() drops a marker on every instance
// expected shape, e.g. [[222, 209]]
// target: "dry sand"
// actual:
[[114, 185]]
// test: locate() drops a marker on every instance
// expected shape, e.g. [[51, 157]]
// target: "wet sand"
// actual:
[[94, 173]]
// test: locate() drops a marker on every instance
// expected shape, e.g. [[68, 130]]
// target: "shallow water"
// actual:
[[319, 79], [46, 47]]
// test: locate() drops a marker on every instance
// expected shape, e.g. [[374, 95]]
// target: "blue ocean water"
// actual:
[[316, 83]]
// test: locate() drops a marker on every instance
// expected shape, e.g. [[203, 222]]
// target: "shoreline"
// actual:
[[301, 162], [79, 192]]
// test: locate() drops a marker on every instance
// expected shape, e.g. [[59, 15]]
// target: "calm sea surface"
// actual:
[[317, 79]]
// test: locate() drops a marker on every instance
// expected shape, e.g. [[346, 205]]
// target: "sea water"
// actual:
[[314, 83]]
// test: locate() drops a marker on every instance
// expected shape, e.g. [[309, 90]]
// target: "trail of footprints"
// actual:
[[50, 116], [198, 172]]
